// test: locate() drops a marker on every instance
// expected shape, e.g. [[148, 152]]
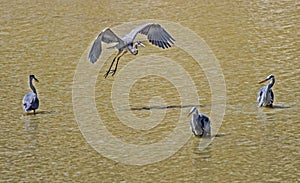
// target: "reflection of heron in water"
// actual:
[[265, 95], [200, 124], [30, 100], [156, 34]]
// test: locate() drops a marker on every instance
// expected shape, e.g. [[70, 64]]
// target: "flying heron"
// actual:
[[200, 123], [30, 100], [155, 33], [265, 95]]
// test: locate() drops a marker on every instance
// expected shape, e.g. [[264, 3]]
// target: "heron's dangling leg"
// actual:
[[113, 71], [33, 111], [109, 70]]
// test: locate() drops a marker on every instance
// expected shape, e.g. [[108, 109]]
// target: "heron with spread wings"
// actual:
[[155, 33]]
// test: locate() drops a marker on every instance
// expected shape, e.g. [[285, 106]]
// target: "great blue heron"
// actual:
[[156, 34], [200, 124], [30, 100], [265, 94]]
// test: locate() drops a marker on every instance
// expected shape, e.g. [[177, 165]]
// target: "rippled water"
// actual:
[[249, 39]]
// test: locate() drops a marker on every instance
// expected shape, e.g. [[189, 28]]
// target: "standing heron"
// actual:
[[156, 34], [200, 124], [265, 95], [30, 100]]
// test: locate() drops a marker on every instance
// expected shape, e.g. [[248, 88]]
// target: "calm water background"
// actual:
[[251, 39]]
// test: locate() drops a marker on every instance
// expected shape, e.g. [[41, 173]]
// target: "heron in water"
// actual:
[[200, 124], [155, 33], [265, 95], [30, 100]]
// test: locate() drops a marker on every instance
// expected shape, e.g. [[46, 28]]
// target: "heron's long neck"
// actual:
[[31, 86], [270, 85], [195, 115]]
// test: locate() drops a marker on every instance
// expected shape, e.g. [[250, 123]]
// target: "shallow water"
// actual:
[[250, 40]]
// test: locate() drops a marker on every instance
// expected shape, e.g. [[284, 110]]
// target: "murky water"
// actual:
[[249, 39]]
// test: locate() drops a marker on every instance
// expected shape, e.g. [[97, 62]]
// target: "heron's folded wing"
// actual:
[[155, 33], [107, 36], [259, 94], [29, 99]]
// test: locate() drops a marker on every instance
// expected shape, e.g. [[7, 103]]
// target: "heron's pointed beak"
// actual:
[[141, 44], [189, 114], [36, 79], [262, 81]]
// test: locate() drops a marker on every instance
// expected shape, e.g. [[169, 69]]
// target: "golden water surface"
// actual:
[[250, 40]]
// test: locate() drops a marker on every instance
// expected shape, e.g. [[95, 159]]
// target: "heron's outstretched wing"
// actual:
[[107, 36], [155, 33]]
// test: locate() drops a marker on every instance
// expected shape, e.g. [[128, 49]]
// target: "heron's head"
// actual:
[[193, 109], [267, 78], [138, 43], [135, 51], [33, 77]]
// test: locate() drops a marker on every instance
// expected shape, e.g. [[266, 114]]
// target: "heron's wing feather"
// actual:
[[29, 100], [155, 33], [206, 124], [259, 94], [107, 36]]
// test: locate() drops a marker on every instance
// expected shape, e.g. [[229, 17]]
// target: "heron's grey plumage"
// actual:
[[265, 95], [107, 36], [200, 123], [30, 100], [156, 35]]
